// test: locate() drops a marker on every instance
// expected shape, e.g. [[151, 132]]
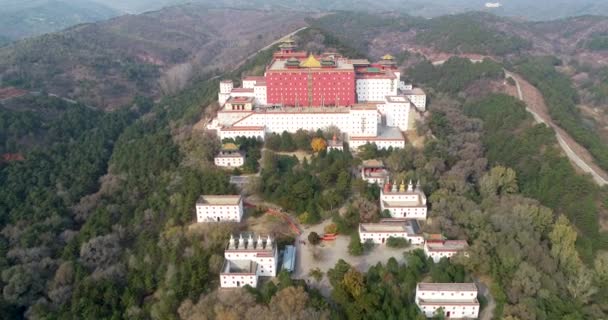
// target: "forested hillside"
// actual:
[[107, 64], [96, 220], [496, 132], [465, 33]]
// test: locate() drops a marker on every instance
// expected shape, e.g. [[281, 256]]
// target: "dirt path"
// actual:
[[535, 104], [488, 311]]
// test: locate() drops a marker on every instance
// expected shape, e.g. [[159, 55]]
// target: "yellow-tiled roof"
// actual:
[[388, 57], [311, 62], [230, 146]]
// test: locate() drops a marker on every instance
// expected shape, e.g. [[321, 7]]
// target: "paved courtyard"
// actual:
[[325, 256]]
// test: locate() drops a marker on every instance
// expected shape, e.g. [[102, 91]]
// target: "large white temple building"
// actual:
[[366, 101]]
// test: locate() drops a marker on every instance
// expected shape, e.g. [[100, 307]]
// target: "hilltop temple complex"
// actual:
[[367, 101]]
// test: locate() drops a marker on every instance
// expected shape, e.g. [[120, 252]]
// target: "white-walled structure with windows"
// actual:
[[437, 249], [378, 233], [248, 258], [417, 97], [405, 203], [458, 300], [219, 208], [230, 156]]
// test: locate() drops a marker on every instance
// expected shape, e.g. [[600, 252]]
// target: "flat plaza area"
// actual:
[[326, 254]]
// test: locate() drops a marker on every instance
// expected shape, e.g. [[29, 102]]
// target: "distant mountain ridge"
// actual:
[[19, 19]]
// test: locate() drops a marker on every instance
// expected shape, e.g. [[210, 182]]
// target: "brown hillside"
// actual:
[[106, 64]]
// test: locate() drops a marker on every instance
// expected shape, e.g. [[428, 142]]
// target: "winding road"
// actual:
[[565, 141]]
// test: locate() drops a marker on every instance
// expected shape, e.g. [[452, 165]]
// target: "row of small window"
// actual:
[[443, 293]]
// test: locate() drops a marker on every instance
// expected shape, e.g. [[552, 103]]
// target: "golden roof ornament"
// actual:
[[311, 62]]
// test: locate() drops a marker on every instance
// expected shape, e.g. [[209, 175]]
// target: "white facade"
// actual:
[[375, 89], [444, 248], [361, 124], [417, 97], [404, 203], [378, 233], [259, 91], [458, 300], [230, 161], [396, 111], [247, 132], [353, 121], [219, 208], [356, 142], [248, 258], [225, 89]]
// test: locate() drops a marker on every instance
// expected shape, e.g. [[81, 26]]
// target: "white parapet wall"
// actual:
[[404, 203], [457, 300], [379, 233]]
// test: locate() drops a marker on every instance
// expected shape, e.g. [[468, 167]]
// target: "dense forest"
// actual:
[[96, 222], [462, 33], [517, 240], [467, 33]]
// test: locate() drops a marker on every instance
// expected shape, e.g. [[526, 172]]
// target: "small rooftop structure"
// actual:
[[397, 99], [311, 62], [373, 163], [230, 147], [335, 144], [447, 245], [219, 200], [373, 171], [289, 258]]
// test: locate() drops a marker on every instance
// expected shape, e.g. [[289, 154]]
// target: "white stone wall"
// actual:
[[396, 113], [437, 255], [371, 180], [382, 144], [363, 123], [356, 122], [381, 237], [375, 89], [226, 86], [235, 161], [234, 93], [227, 134], [451, 311], [238, 280], [210, 213], [249, 84], [260, 94], [418, 213], [419, 101], [228, 117], [222, 98], [447, 295], [267, 266]]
